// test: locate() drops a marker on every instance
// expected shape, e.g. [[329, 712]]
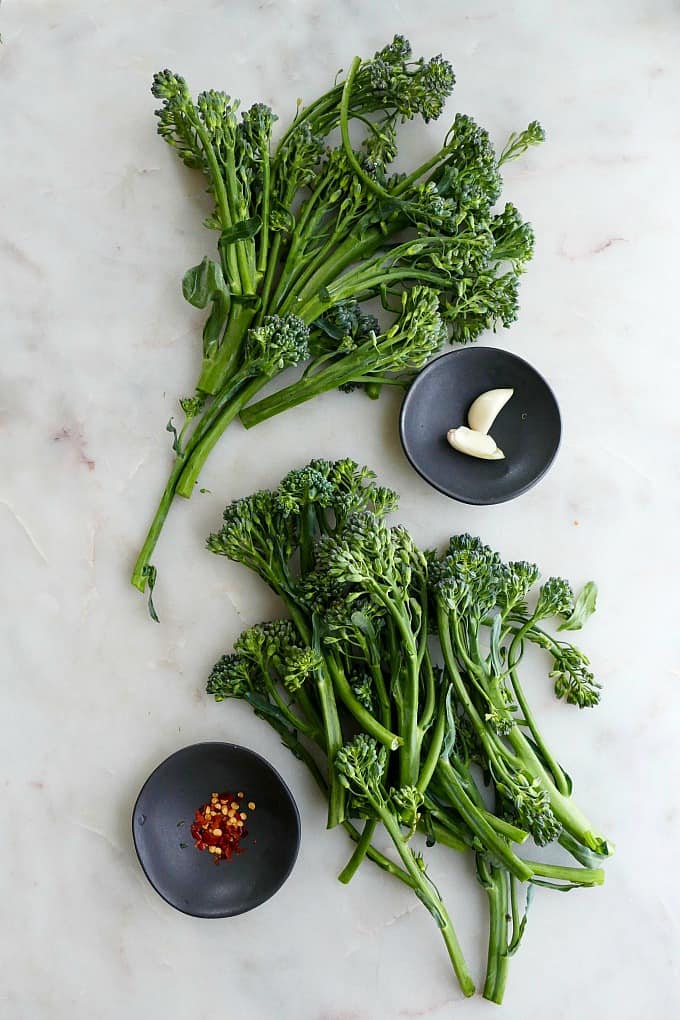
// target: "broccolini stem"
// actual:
[[344, 131], [428, 767], [475, 820], [362, 847], [299, 751], [220, 368], [554, 766], [330, 377], [263, 247], [319, 274], [577, 876], [443, 834], [426, 893], [486, 737], [495, 882], [371, 725], [564, 808], [140, 572], [407, 708], [228, 258], [209, 436]]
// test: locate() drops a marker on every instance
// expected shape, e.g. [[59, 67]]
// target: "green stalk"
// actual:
[[495, 883], [445, 836], [557, 774], [428, 767], [217, 370], [299, 751], [333, 735], [332, 375], [362, 847], [579, 876], [263, 247], [320, 275], [475, 820], [140, 572], [366, 721], [427, 895], [210, 436], [344, 131], [565, 810]]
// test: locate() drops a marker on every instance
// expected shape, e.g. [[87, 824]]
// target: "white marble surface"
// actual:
[[98, 223]]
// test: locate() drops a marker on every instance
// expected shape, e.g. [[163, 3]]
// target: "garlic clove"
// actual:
[[486, 408], [474, 443]]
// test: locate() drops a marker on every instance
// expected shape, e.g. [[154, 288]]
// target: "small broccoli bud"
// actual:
[[406, 803], [299, 664], [229, 678], [531, 808], [278, 343], [302, 487], [573, 680], [555, 598], [360, 765], [168, 85], [516, 580]]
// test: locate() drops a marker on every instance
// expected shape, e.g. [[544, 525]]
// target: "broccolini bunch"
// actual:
[[396, 678], [306, 230]]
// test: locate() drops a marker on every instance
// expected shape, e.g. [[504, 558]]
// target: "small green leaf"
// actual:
[[584, 607], [150, 574], [202, 283], [495, 646], [170, 427], [240, 232]]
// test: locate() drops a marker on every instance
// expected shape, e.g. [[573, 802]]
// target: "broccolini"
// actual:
[[306, 230], [396, 679]]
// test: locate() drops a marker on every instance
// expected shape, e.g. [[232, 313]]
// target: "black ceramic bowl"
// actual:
[[527, 430], [188, 878]]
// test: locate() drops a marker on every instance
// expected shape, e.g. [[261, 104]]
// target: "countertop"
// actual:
[[99, 221]]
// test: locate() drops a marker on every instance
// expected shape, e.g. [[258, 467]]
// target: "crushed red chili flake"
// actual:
[[219, 826]]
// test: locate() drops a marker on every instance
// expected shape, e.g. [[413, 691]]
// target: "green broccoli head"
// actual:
[[555, 598], [281, 341], [517, 578], [368, 554], [298, 666], [574, 682], [360, 765], [469, 175], [178, 118], [529, 805], [406, 802], [303, 487], [229, 678], [255, 534], [513, 238], [412, 88], [468, 578]]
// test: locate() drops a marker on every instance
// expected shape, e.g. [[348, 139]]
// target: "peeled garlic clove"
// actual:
[[474, 443], [486, 408]]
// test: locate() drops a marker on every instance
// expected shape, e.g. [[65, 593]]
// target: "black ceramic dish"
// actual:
[[527, 430], [189, 879]]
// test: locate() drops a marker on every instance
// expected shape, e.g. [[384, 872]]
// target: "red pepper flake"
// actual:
[[219, 826]]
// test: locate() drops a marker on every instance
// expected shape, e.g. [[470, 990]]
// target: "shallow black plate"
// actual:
[[188, 878], [527, 430]]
